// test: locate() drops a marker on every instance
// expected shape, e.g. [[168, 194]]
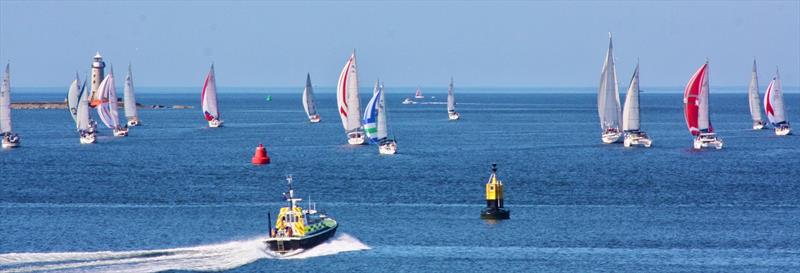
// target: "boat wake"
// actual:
[[212, 257]]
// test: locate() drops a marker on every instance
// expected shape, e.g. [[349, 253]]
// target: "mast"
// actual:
[[130, 98], [754, 97], [630, 115], [5, 101], [209, 96], [451, 98], [608, 94]]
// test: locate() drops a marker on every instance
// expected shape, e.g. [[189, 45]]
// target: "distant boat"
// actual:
[[130, 100], [348, 102], [209, 100], [755, 100], [451, 102], [409, 101], [10, 139], [308, 101], [695, 99], [608, 99], [773, 106], [376, 122], [418, 94], [86, 127], [107, 110], [630, 115]]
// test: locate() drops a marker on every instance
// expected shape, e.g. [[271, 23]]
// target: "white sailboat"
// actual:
[[10, 139], [348, 102], [209, 100], [755, 100], [451, 102], [608, 99], [695, 99], [376, 122], [73, 97], [130, 100], [630, 115], [85, 126], [418, 94], [108, 108], [773, 106], [308, 101]]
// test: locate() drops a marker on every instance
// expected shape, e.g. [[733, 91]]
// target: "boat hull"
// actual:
[[133, 122], [284, 245], [10, 141], [453, 116], [314, 119], [758, 125], [611, 137], [782, 131], [495, 214], [9, 144], [88, 139], [355, 138], [388, 148], [707, 141], [638, 138], [215, 123]]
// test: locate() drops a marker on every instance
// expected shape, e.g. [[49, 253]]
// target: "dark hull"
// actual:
[[495, 213], [285, 245]]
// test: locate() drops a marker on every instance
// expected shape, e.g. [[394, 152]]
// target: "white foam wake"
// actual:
[[213, 257]]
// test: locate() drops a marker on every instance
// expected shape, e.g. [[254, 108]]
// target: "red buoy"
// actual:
[[261, 156]]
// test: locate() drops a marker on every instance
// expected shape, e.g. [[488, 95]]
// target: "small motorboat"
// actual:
[[298, 229]]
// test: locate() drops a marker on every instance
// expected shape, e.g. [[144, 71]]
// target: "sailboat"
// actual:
[[209, 100], [755, 100], [85, 126], [130, 100], [73, 97], [630, 115], [451, 102], [773, 106], [375, 122], [608, 99], [308, 101], [348, 102], [10, 139], [418, 94], [695, 99], [107, 110]]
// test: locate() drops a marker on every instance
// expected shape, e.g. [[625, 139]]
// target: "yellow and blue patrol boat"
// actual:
[[297, 228]]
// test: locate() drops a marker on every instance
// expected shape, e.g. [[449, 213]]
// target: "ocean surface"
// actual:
[[178, 196]]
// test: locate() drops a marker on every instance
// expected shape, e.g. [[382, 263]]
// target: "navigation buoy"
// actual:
[[494, 199], [260, 157]]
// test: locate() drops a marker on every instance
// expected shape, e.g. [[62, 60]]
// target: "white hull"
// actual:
[[88, 139], [214, 123], [758, 125], [133, 122], [388, 148], [639, 138], [782, 131], [453, 116], [706, 141], [355, 138], [121, 132], [611, 137], [8, 144], [409, 101], [314, 119], [419, 97]]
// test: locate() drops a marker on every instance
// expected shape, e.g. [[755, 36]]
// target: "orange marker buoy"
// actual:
[[261, 156]]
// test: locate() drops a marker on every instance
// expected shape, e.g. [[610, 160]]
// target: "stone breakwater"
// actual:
[[63, 105]]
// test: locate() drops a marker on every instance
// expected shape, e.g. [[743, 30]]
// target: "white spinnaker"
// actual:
[[753, 96], [209, 96], [703, 119], [82, 122], [451, 98], [773, 101], [104, 109], [608, 94], [130, 98], [630, 115], [383, 129], [73, 97], [308, 98], [5, 102], [347, 96]]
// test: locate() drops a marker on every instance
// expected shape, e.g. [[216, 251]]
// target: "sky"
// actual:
[[405, 43]]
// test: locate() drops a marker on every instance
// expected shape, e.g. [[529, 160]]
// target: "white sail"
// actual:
[[73, 97], [773, 101], [347, 96], [209, 96], [608, 94], [383, 129], [754, 97], [703, 120], [130, 98], [630, 115], [107, 110], [308, 98], [83, 119], [451, 98], [5, 102]]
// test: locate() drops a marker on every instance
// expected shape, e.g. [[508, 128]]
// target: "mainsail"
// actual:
[[451, 98], [347, 96], [695, 98], [630, 115], [754, 97], [608, 93], [5, 102], [371, 114], [73, 97], [308, 98], [209, 96], [83, 121], [130, 98], [773, 101], [383, 129], [107, 110]]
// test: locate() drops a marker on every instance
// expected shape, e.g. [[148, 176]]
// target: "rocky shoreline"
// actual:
[[63, 105]]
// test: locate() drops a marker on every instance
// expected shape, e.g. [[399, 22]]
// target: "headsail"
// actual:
[[5, 101], [130, 98], [695, 99], [107, 110], [451, 98], [630, 115], [308, 98], [347, 96], [209, 96], [371, 114], [73, 96], [754, 97], [773, 101], [608, 94]]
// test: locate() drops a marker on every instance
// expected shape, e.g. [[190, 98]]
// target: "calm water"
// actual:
[[175, 195]]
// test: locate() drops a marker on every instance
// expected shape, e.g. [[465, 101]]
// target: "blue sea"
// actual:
[[178, 196]]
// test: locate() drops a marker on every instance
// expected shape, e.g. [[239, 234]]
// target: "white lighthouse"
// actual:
[[98, 74]]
